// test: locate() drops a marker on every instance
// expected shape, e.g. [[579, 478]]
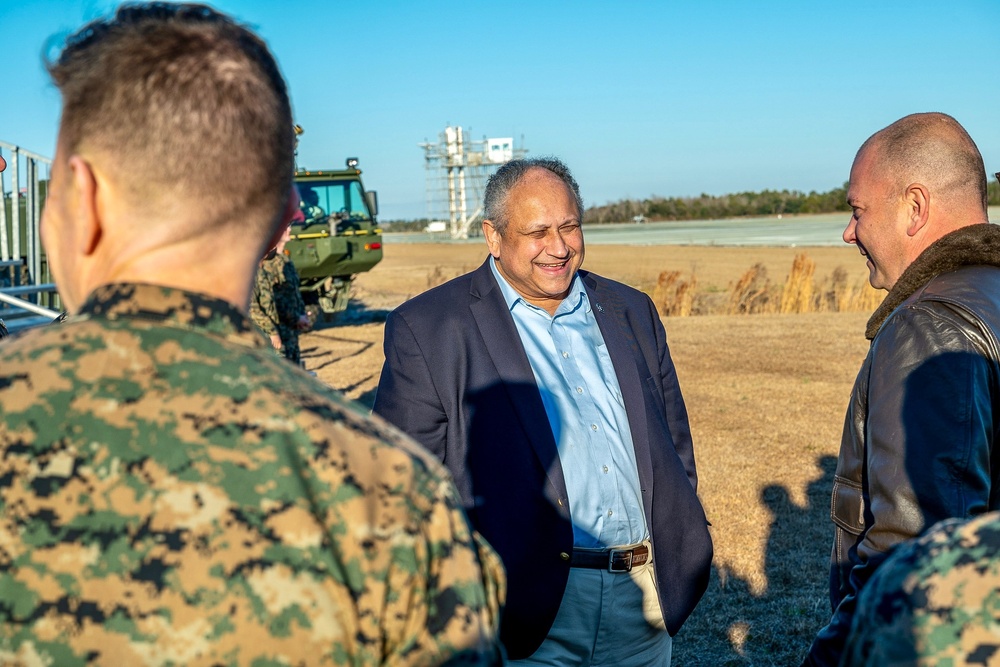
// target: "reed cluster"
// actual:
[[755, 293]]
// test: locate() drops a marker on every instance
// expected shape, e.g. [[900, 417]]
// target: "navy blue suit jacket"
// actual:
[[457, 379]]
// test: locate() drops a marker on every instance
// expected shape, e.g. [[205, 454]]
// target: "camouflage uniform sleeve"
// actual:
[[458, 594], [934, 602], [263, 310], [429, 588]]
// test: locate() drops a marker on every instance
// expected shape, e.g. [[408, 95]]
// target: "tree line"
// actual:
[[711, 207], [743, 204]]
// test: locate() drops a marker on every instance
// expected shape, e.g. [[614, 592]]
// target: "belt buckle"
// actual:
[[620, 560]]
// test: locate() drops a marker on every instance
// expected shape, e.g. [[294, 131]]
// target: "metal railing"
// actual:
[[27, 294]]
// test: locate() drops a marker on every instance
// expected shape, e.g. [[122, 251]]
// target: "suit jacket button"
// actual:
[[564, 555]]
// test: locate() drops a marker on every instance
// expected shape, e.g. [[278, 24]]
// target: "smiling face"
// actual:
[[878, 221], [541, 247]]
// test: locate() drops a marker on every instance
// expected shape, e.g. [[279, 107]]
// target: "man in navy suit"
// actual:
[[550, 394]]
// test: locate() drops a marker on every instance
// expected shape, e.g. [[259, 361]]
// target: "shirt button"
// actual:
[[605, 470], [593, 426], [565, 355], [579, 390], [610, 512]]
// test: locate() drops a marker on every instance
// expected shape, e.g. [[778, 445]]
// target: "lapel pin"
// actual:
[[599, 307]]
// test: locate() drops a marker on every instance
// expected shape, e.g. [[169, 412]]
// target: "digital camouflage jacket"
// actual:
[[173, 493], [276, 298], [935, 602]]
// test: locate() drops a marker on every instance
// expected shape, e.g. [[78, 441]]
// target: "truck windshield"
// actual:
[[338, 200]]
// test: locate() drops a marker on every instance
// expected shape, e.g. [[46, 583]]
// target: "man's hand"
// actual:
[[303, 323], [275, 341]]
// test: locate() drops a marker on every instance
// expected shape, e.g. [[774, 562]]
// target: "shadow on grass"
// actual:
[[367, 399], [357, 313], [319, 358], [735, 625]]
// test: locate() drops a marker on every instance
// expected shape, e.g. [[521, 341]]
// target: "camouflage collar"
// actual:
[[171, 307]]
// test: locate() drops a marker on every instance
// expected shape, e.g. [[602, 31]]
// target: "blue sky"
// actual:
[[669, 98]]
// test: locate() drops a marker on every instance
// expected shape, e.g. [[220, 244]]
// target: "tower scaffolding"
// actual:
[[457, 170]]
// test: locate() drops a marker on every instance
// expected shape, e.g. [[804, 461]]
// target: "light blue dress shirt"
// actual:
[[586, 412]]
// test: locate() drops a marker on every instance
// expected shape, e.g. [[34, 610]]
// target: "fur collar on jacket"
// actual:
[[967, 246]]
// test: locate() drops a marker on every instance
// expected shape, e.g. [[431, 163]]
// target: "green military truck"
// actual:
[[336, 237]]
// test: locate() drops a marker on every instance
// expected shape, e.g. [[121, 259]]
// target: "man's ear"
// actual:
[[918, 202], [85, 204], [492, 238]]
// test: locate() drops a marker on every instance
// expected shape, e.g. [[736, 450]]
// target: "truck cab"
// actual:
[[335, 237]]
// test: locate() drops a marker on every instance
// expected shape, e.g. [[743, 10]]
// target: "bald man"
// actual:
[[922, 421]]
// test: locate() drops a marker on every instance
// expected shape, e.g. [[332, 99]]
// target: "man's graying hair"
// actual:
[[506, 177], [182, 103]]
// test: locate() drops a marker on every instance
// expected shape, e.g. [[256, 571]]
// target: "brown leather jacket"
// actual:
[[923, 419]]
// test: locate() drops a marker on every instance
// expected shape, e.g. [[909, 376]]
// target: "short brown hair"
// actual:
[[184, 103]]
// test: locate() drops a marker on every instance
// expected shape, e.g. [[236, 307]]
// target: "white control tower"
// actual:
[[457, 171]]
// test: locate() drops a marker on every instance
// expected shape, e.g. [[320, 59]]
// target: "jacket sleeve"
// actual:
[[676, 411], [406, 396], [409, 581], [448, 587], [927, 443], [263, 310]]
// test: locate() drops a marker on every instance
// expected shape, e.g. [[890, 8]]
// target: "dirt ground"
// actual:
[[766, 396]]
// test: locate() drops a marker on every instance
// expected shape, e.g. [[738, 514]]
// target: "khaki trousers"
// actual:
[[609, 619]]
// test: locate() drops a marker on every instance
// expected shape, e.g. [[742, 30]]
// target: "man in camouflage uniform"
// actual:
[[171, 492], [935, 602], [276, 305]]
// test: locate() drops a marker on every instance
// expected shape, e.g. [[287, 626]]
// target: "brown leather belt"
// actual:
[[612, 560]]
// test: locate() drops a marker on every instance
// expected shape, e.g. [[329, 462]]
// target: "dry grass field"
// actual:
[[766, 394]]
